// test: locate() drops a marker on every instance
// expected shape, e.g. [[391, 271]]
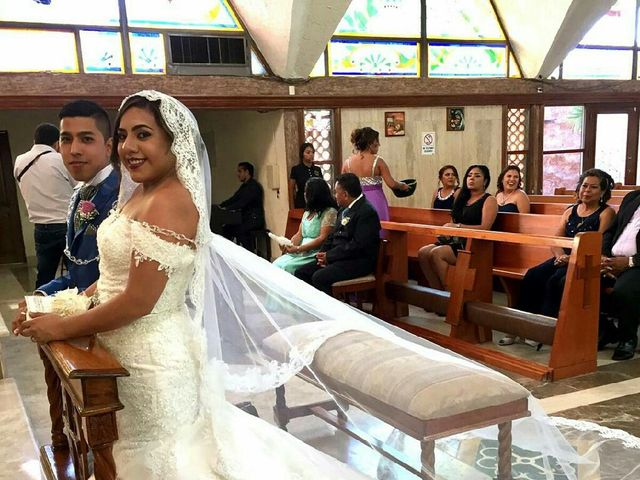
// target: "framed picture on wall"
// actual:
[[394, 124], [455, 119]]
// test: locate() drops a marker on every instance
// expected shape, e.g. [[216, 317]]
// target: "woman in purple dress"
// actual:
[[371, 169]]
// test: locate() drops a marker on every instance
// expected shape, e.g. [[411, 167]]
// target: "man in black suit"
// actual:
[[621, 263], [249, 199], [351, 250]]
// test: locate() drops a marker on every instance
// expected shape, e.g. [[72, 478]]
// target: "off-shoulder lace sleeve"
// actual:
[[329, 217], [149, 245]]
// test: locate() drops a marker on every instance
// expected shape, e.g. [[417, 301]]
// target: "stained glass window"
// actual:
[[182, 15], [354, 57], [517, 137], [66, 12], [147, 52], [40, 51], [597, 63], [101, 52], [616, 27], [462, 20], [381, 18], [450, 60]]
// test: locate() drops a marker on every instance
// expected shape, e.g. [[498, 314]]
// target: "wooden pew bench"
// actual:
[[617, 200], [511, 260], [471, 314], [402, 388]]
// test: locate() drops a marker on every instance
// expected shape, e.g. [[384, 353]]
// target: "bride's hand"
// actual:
[[44, 328]]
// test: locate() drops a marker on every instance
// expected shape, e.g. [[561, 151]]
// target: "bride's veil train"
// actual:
[[241, 303]]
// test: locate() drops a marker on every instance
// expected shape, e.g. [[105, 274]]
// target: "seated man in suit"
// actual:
[[249, 199], [85, 145], [351, 250], [621, 263]]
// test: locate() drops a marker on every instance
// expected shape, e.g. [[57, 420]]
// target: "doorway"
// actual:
[[11, 242]]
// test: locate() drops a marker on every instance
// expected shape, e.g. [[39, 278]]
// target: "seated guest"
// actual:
[[542, 285], [472, 208], [300, 174], [620, 262], [510, 196], [249, 199], [351, 250], [445, 195], [318, 221]]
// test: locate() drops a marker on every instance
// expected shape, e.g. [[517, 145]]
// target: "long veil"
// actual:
[[244, 305]]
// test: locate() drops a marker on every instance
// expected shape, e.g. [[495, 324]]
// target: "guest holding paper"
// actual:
[[318, 222]]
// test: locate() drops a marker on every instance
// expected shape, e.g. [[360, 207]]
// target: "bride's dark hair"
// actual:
[[144, 104]]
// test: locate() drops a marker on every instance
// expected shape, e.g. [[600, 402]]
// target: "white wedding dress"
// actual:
[[166, 431]]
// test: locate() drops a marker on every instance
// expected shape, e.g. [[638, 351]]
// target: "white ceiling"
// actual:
[[291, 34]]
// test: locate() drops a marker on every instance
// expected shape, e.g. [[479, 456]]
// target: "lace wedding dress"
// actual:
[[166, 431]]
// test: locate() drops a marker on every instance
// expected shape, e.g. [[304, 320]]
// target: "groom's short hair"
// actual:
[[87, 108], [350, 183]]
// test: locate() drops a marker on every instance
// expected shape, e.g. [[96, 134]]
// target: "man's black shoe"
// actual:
[[625, 349], [607, 336]]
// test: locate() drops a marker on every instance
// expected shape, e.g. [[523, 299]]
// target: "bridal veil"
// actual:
[[239, 300]]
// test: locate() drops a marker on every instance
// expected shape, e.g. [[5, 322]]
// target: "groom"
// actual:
[[85, 145]]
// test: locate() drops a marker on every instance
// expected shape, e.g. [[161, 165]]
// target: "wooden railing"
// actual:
[[84, 394]]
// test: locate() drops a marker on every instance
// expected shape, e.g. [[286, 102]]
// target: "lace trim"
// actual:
[[158, 230], [628, 440], [138, 256], [440, 197]]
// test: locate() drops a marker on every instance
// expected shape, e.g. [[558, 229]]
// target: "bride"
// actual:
[[187, 313]]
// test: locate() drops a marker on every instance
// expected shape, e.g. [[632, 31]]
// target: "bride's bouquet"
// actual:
[[65, 303]]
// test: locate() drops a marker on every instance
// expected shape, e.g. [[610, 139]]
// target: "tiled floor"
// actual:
[[610, 396]]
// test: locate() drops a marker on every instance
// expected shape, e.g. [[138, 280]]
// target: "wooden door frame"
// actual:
[[591, 116], [18, 254]]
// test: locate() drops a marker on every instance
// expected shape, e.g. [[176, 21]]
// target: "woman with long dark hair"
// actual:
[[300, 173], [318, 221], [510, 196], [473, 208], [444, 196]]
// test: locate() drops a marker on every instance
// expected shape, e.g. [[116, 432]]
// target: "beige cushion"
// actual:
[[403, 385], [354, 281]]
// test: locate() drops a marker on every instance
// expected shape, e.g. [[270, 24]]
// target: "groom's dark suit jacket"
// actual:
[[356, 235], [82, 243], [628, 207]]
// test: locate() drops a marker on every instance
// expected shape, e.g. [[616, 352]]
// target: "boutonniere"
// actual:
[[345, 220], [87, 210]]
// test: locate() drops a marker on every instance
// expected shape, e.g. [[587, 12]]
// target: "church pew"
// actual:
[[616, 192], [88, 375], [473, 317], [619, 186], [566, 199]]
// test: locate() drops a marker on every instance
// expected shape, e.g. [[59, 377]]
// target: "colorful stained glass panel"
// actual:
[[462, 19], [616, 27], [66, 12], [597, 63], [381, 18], [451, 60], [353, 57], [40, 51], [182, 15], [101, 52], [147, 53]]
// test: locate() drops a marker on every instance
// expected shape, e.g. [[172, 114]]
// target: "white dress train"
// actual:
[[167, 430]]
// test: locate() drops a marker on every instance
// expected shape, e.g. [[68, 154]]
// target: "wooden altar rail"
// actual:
[[573, 350], [89, 392]]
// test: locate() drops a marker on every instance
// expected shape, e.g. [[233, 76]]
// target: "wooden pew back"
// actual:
[[566, 199]]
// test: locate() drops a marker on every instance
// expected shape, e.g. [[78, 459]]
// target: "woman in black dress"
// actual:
[[301, 173], [445, 195], [542, 286], [510, 196], [473, 208]]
